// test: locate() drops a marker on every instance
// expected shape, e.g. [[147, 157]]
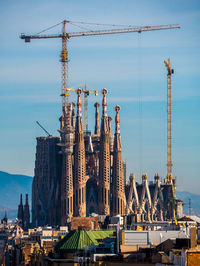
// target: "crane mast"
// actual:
[[65, 36], [64, 59], [170, 71]]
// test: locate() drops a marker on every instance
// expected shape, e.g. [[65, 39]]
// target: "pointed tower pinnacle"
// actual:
[[118, 192], [79, 164], [104, 162], [111, 143], [20, 214], [26, 202], [67, 141], [21, 200], [5, 219], [97, 128], [117, 121], [26, 214]]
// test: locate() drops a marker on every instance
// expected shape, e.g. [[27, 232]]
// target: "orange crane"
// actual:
[[170, 71], [65, 36]]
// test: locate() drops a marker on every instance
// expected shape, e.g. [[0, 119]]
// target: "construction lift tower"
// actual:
[[170, 71], [86, 94], [66, 36]]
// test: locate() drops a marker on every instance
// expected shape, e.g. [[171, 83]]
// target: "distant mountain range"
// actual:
[[11, 186], [195, 202]]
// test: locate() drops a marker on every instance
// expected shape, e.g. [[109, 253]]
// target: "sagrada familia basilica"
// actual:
[[79, 173]]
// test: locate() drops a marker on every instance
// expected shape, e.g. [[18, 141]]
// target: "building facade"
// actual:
[[80, 173]]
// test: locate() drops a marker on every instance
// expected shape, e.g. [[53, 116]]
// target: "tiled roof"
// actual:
[[78, 239], [185, 219]]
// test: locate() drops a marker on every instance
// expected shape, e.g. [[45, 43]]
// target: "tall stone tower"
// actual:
[[111, 143], [97, 128], [67, 141], [26, 214], [118, 191], [104, 161], [46, 182], [79, 164], [20, 214], [73, 115]]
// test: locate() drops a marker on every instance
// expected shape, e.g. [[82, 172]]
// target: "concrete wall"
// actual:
[[149, 237], [157, 237]]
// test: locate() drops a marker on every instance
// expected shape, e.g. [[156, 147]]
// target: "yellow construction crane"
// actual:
[[65, 36], [170, 71], [86, 92], [65, 91]]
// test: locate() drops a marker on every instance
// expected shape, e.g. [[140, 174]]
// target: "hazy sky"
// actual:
[[130, 66]]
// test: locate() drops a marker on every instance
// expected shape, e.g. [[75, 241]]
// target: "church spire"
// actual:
[[26, 214], [118, 192], [104, 102], [79, 164], [104, 161], [21, 201], [117, 121], [20, 214], [67, 141]]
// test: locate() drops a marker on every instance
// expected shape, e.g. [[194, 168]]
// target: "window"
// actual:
[[76, 197], [79, 196], [118, 205], [67, 205], [64, 211]]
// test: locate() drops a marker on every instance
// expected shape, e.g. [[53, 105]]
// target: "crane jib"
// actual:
[[127, 30], [66, 35], [100, 32]]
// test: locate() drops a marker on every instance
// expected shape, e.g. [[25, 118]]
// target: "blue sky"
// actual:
[[130, 66]]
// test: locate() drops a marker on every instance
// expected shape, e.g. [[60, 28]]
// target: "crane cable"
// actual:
[[140, 107], [49, 28], [86, 23], [100, 24], [81, 27]]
